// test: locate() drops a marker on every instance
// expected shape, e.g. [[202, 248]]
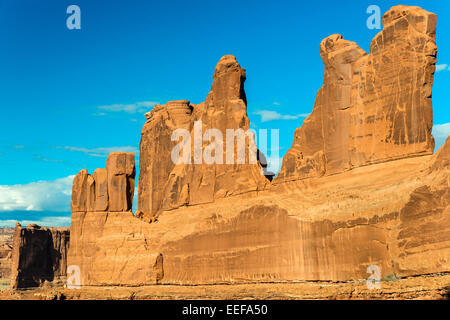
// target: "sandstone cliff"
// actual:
[[39, 255], [372, 107], [108, 195], [109, 189], [394, 215], [165, 185], [318, 220], [5, 261]]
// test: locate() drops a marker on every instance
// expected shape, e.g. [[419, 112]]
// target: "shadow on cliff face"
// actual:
[[39, 256], [446, 293]]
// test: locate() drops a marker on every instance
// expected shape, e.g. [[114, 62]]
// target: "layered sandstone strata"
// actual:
[[5, 261], [39, 255], [394, 215], [372, 107], [164, 184]]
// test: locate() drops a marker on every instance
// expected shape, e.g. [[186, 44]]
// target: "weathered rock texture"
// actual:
[[6, 240], [372, 107], [39, 255], [108, 194], [394, 215], [5, 261], [111, 249], [372, 115], [109, 189], [165, 185]]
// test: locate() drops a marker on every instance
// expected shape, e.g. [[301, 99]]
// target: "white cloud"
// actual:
[[441, 67], [440, 134], [276, 103], [37, 196], [138, 107], [268, 115], [102, 152]]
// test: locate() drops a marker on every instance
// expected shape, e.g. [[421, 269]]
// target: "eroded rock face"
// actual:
[[114, 260], [164, 184], [391, 214], [442, 157], [372, 107], [109, 189], [6, 240], [331, 228], [39, 255]]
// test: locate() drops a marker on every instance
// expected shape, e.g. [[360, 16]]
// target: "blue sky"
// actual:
[[69, 97]]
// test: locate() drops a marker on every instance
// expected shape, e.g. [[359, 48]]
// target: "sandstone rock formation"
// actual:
[[109, 189], [111, 249], [5, 261], [372, 107], [113, 257], [442, 156], [394, 215], [318, 220], [39, 255], [165, 185]]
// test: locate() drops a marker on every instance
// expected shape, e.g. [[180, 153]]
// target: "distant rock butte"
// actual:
[[372, 107], [317, 220], [6, 239], [39, 255]]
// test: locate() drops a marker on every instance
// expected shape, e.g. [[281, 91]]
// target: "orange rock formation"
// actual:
[[165, 185], [318, 220], [372, 107]]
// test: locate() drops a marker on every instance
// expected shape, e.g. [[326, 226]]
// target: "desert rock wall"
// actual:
[[372, 107], [318, 220], [114, 248], [164, 184], [109, 189], [39, 255]]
